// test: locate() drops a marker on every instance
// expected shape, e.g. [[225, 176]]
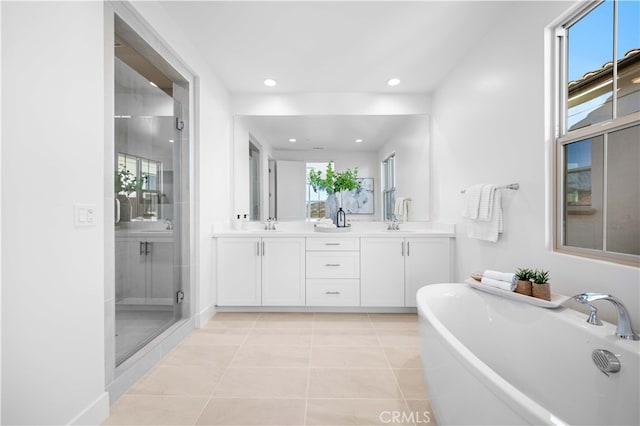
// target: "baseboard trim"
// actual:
[[205, 315], [96, 413], [319, 309]]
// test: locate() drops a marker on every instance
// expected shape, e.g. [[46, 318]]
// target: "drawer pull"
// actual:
[[331, 264], [331, 244], [331, 292]]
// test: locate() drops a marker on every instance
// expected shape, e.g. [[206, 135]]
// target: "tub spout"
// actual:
[[623, 329]]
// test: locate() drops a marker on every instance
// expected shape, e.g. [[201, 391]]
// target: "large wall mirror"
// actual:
[[273, 154]]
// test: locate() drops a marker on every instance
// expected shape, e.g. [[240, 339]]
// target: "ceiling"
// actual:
[[327, 132], [327, 46]]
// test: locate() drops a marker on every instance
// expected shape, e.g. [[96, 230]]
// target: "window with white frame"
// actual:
[[598, 132], [388, 187]]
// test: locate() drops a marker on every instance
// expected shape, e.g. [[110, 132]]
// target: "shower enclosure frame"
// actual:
[[119, 379]]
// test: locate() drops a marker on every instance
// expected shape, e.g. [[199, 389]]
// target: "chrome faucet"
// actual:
[[393, 225], [623, 329], [168, 224], [270, 224]]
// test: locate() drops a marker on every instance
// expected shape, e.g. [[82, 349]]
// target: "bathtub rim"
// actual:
[[526, 407]]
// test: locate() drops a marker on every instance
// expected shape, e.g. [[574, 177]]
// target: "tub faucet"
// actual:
[[623, 329]]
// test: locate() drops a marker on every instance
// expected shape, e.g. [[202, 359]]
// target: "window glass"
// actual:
[[583, 193], [315, 200], [388, 187], [589, 68], [628, 56], [623, 191]]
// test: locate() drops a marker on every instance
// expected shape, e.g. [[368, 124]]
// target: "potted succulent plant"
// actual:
[[524, 276], [540, 287], [333, 183]]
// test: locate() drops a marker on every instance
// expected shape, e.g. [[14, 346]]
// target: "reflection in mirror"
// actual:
[[350, 141], [254, 182]]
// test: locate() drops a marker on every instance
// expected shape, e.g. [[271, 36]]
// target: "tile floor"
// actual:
[[286, 369]]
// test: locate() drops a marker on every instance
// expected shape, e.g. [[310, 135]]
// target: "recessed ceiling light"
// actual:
[[270, 82], [393, 82], [153, 84], [292, 140], [358, 140], [171, 140]]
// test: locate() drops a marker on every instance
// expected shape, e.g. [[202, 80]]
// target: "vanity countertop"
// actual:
[[370, 229]]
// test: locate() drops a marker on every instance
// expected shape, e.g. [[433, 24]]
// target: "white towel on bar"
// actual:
[[485, 210], [472, 201], [491, 229], [503, 285], [401, 208]]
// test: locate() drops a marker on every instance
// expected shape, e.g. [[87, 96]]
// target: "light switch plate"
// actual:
[[84, 214]]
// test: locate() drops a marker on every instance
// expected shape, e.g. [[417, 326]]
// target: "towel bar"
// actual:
[[514, 186]]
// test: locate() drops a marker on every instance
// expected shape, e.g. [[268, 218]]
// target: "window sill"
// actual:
[[581, 210]]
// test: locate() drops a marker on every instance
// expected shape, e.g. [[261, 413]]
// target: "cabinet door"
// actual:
[[239, 272], [131, 276], [428, 261], [283, 267], [382, 272], [160, 279]]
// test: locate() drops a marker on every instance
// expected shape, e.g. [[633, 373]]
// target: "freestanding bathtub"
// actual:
[[489, 360]]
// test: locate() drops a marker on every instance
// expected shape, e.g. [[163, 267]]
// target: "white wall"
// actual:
[[489, 127], [413, 162], [52, 158]]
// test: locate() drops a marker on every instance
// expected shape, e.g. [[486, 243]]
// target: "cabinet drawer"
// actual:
[[333, 292], [344, 264], [336, 244]]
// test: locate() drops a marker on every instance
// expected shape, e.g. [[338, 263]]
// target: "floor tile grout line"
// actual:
[[306, 400], [212, 393], [395, 378]]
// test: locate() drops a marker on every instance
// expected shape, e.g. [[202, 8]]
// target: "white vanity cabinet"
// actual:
[[333, 271], [254, 271], [146, 273], [382, 277], [427, 261], [394, 268]]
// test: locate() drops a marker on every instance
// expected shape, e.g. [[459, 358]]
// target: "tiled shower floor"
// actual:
[[135, 328], [286, 369]]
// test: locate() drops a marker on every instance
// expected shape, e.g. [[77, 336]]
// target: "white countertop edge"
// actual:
[[444, 231]]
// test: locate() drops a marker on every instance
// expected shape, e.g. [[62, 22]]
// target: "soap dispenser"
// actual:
[[341, 218]]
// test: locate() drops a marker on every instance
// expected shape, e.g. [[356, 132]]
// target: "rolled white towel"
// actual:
[[325, 225], [326, 221], [502, 285], [500, 276]]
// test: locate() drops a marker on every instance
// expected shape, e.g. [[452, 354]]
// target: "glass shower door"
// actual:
[[147, 234]]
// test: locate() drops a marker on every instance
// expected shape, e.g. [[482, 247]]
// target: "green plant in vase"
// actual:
[[540, 287], [524, 276], [333, 183], [126, 183]]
